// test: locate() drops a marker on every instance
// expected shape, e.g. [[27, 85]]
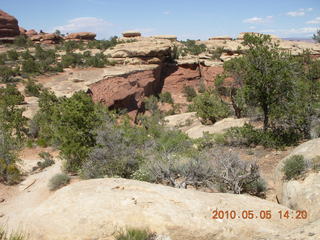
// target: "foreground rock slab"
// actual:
[[96, 209], [302, 194]]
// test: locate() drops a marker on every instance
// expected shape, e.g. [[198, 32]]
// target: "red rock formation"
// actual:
[[81, 36], [127, 91], [8, 27], [31, 33], [22, 31]]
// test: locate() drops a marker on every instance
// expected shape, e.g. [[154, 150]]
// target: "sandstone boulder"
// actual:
[[81, 36], [303, 194], [143, 48], [130, 34], [96, 209], [8, 26]]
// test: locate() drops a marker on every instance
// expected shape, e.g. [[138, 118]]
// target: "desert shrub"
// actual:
[[32, 89], [3, 58], [99, 60], [189, 93], [104, 44], [70, 46], [114, 155], [151, 103], [12, 55], [22, 41], [30, 66], [166, 97], [42, 54], [47, 160], [249, 136], [191, 47], [315, 163], [6, 74], [216, 53], [202, 87], [11, 117], [134, 234], [71, 60], [294, 166], [257, 188], [58, 181], [73, 120], [41, 125], [180, 172], [234, 174], [9, 173], [209, 107]]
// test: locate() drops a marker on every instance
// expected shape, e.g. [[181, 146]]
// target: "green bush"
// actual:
[[166, 97], [202, 87], [32, 89], [30, 66], [191, 47], [134, 234], [294, 166], [22, 41], [189, 92], [71, 60], [9, 173], [151, 103], [12, 55], [249, 136], [210, 108], [6, 74], [216, 53], [58, 181]]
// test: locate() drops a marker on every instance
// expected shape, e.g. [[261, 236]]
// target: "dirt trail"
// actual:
[[19, 199]]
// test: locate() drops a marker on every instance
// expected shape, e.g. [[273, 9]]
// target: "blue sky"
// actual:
[[197, 19]]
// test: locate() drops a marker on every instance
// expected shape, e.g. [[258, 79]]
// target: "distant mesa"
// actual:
[[129, 34], [9, 27], [87, 36], [223, 38], [169, 37]]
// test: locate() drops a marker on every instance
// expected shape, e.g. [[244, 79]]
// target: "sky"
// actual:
[[196, 19]]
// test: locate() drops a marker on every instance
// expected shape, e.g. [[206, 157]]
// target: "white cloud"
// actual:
[[301, 12], [252, 27], [167, 12], [314, 21], [258, 20], [306, 31], [85, 24]]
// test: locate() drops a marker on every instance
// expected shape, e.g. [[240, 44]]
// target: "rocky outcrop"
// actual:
[[22, 31], [31, 33], [87, 36], [9, 28], [304, 193], [47, 38], [96, 209], [192, 126], [127, 91], [130, 34]]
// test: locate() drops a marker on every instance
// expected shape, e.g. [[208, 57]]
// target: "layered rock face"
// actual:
[[128, 90], [47, 38], [9, 28]]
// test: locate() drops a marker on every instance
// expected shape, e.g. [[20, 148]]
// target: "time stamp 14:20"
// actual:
[[260, 214]]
